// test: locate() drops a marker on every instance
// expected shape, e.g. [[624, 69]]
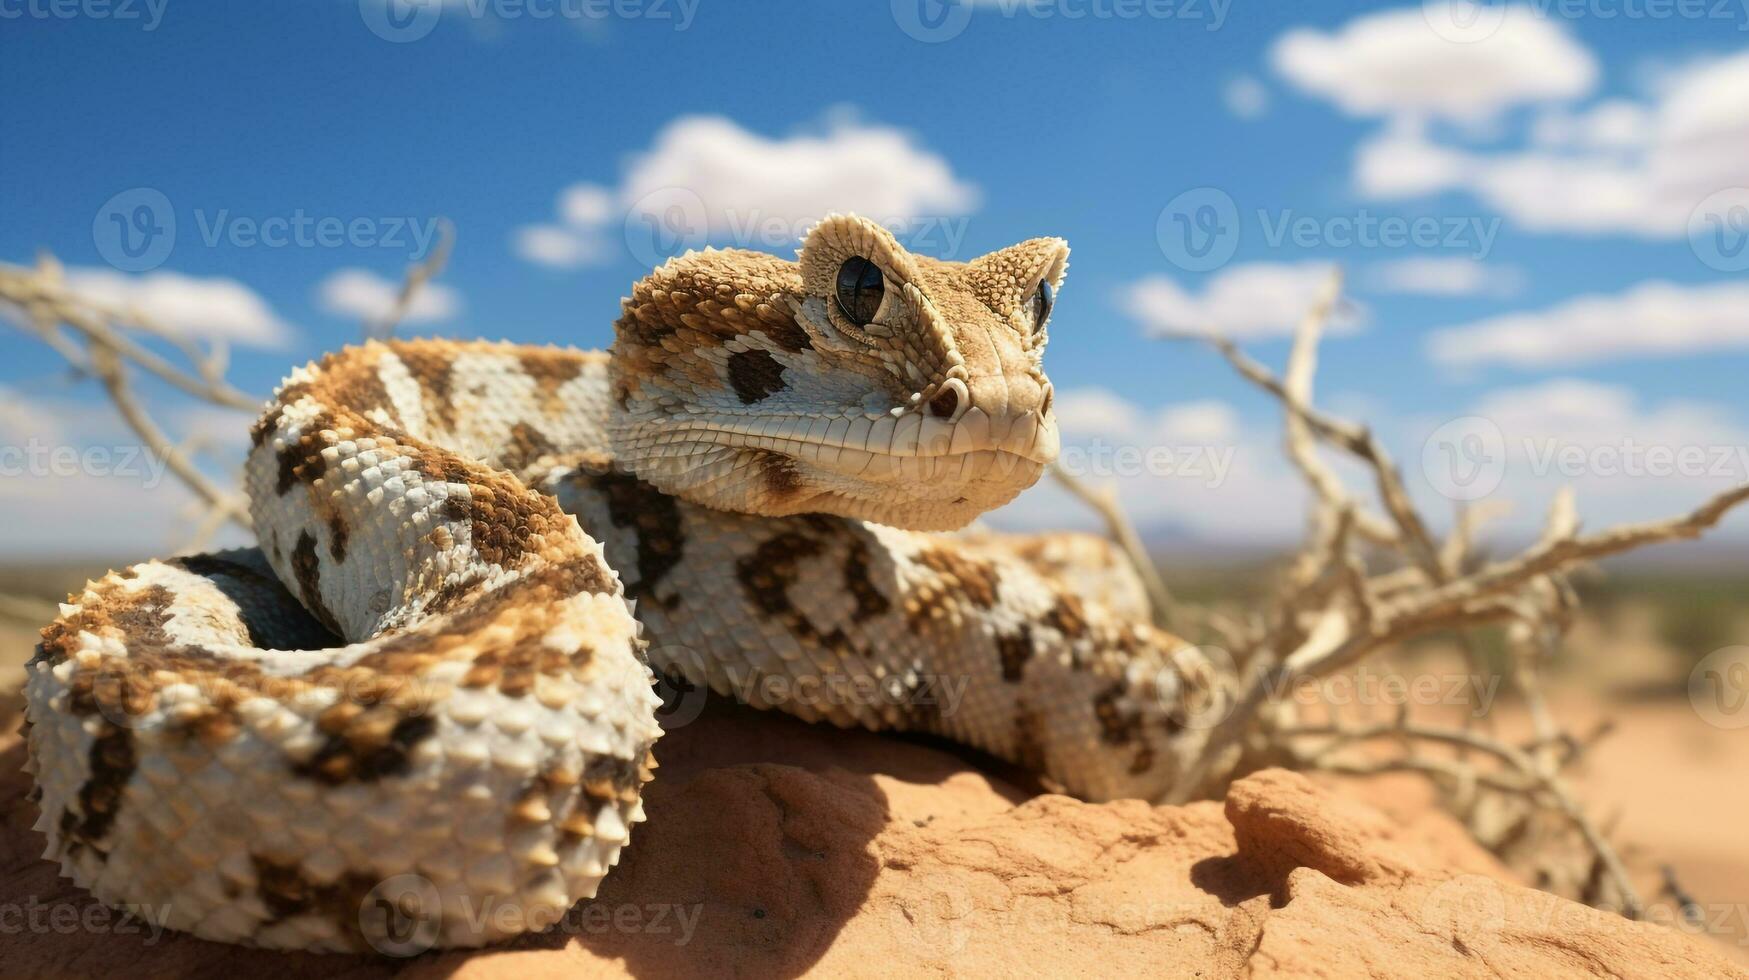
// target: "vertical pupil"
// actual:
[[860, 287], [1041, 305]]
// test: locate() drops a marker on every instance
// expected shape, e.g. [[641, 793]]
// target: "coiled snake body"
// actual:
[[428, 683]]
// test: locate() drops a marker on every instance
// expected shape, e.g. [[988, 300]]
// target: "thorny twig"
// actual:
[[1332, 612], [61, 317]]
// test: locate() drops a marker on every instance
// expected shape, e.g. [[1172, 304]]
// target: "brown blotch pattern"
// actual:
[[551, 370], [308, 570], [527, 444], [653, 516], [111, 761], [1015, 650], [365, 749], [755, 375], [1067, 616], [977, 579], [507, 521], [301, 461], [786, 333], [338, 534], [870, 600], [1117, 728], [433, 368], [288, 894], [767, 575], [958, 579], [269, 421]]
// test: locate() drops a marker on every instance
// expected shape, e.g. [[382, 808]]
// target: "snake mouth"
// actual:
[[856, 445]]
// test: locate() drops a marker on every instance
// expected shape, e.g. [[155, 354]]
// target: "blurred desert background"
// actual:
[[1519, 230]]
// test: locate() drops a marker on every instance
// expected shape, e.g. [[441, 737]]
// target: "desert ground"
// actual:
[[1667, 782]]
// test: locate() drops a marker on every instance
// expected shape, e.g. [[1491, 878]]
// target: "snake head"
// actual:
[[860, 380]]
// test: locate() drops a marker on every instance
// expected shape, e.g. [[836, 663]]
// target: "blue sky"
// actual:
[[1556, 152]]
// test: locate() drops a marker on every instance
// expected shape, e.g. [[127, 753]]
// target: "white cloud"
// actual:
[[1191, 466], [363, 295], [1395, 62], [1244, 302], [556, 246], [1455, 276], [1402, 162], [1613, 124], [586, 205], [201, 308], [752, 190], [1617, 167], [1245, 97], [1626, 458], [1653, 318]]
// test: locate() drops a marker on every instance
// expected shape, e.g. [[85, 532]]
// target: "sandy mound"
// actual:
[[775, 848]]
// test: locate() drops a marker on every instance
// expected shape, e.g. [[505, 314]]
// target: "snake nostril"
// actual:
[[943, 406]]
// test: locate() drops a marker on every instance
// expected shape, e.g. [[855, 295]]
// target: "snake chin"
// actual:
[[910, 472]]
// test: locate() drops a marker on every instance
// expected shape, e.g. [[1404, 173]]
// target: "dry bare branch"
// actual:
[[1121, 531], [1332, 612], [417, 276]]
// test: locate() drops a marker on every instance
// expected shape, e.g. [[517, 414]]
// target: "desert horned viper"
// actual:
[[437, 667]]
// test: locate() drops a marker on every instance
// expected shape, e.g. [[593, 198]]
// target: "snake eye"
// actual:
[[1042, 301], [860, 290]]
